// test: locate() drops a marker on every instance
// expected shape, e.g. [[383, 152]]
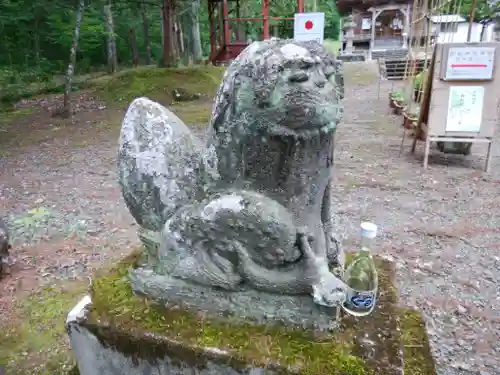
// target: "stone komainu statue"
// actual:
[[251, 208]]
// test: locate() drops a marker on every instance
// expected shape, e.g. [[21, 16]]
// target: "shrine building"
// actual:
[[379, 28]]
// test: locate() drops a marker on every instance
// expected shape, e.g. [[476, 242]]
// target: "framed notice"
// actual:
[[469, 63], [465, 109]]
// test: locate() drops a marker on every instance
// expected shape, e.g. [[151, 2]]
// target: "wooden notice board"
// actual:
[[462, 94]]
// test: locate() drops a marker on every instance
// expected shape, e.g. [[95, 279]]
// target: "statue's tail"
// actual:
[[158, 163]]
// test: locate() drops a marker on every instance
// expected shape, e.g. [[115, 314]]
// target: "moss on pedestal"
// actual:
[[416, 350], [361, 346]]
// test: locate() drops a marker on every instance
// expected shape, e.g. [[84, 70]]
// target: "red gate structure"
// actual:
[[223, 47]]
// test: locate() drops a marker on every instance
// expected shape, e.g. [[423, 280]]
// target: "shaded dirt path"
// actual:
[[59, 194]]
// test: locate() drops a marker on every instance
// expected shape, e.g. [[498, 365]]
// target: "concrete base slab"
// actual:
[[94, 357]]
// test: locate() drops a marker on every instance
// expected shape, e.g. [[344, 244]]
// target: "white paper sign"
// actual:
[[469, 63], [309, 26], [465, 109]]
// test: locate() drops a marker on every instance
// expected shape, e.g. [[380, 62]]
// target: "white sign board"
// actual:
[[470, 63], [309, 26], [366, 23], [465, 109]]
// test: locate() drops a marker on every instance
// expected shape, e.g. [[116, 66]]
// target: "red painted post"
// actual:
[[300, 6], [265, 14]]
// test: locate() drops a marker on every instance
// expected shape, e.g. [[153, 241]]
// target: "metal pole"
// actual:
[[471, 21]]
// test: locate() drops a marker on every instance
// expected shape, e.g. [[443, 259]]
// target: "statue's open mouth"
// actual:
[[302, 120], [307, 129]]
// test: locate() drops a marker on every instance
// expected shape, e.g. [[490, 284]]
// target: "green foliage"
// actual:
[[34, 218], [419, 80], [398, 97], [485, 10], [332, 19]]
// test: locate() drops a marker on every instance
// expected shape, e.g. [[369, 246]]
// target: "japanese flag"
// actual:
[[309, 26]]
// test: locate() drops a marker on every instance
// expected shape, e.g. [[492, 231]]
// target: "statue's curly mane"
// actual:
[[243, 81]]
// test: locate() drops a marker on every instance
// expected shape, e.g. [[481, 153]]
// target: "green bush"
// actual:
[[419, 80], [397, 96]]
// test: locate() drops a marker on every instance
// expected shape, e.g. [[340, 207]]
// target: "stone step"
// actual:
[[390, 54]]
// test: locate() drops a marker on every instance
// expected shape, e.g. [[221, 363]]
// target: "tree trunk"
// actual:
[[186, 20], [145, 25], [36, 40], [168, 39], [162, 28], [109, 49], [110, 38], [113, 39], [180, 38], [134, 49], [276, 31], [177, 45], [195, 31], [184, 39], [66, 112]]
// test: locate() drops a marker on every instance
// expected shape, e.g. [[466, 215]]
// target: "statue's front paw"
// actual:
[[330, 291]]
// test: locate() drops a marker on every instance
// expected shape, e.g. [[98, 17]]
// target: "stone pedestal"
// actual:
[[114, 332], [247, 304], [147, 354]]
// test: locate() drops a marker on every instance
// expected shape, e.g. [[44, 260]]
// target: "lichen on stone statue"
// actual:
[[244, 220]]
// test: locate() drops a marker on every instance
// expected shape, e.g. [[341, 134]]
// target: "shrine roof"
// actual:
[[346, 6]]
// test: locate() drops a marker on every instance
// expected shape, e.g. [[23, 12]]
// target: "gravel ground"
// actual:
[[65, 213], [439, 225]]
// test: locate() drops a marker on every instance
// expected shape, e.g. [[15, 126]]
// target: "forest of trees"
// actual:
[[36, 36]]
